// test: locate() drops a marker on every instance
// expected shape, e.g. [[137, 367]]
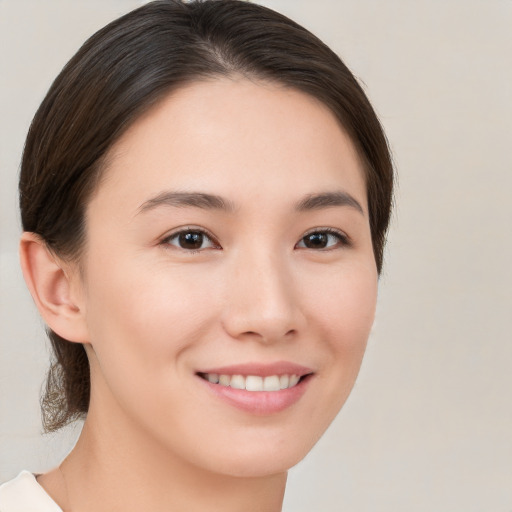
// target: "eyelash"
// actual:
[[176, 234], [343, 239]]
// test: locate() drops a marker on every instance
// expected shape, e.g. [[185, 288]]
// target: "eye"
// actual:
[[323, 239], [191, 240]]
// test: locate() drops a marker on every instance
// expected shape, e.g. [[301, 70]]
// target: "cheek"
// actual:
[[142, 315], [345, 309], [144, 321], [344, 302]]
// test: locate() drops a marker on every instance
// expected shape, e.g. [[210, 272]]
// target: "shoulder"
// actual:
[[24, 494]]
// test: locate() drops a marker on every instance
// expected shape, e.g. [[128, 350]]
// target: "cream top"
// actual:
[[24, 494]]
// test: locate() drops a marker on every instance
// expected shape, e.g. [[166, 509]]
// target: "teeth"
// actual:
[[213, 378], [224, 380], [284, 381], [254, 382], [237, 382], [293, 380], [271, 383]]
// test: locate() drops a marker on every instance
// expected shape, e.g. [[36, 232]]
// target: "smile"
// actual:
[[259, 389], [253, 382]]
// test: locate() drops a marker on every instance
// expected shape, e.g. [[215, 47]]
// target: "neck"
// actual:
[[110, 470]]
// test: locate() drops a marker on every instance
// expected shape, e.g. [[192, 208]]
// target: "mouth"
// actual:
[[254, 383], [258, 389]]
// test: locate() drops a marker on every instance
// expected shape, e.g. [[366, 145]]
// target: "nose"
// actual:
[[262, 300]]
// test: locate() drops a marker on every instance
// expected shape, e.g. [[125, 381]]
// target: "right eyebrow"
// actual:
[[184, 199], [329, 200]]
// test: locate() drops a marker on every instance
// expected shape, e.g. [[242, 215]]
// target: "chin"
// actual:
[[260, 467], [261, 459]]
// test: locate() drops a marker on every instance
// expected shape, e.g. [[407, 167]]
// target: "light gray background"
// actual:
[[429, 424]]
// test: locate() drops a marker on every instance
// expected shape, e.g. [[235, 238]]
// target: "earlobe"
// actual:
[[53, 289]]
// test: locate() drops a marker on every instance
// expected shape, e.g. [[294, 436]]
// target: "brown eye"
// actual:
[[191, 240], [315, 241], [322, 240]]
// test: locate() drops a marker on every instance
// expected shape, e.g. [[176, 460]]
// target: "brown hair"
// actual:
[[123, 70]]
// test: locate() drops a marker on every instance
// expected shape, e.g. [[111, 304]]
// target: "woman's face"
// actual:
[[229, 240]]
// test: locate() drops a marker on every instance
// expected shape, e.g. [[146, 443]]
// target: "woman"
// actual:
[[205, 193]]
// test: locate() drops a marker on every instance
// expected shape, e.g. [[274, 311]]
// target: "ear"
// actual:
[[55, 288]]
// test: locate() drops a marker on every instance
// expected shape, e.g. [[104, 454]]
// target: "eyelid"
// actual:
[[187, 229], [344, 239]]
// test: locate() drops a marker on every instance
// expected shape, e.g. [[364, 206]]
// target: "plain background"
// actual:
[[429, 424]]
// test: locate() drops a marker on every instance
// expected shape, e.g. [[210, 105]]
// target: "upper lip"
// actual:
[[261, 369]]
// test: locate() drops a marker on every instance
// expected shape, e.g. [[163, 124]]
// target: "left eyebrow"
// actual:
[[328, 200], [188, 199]]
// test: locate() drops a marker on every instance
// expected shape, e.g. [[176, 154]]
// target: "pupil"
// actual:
[[316, 240], [191, 240]]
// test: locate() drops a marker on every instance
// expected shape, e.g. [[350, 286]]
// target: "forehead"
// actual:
[[229, 135]]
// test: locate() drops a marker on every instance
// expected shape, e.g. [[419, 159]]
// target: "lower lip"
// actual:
[[260, 402]]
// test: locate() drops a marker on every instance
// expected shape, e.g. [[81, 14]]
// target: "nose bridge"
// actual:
[[262, 301]]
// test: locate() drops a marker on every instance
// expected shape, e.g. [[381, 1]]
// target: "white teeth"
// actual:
[[213, 378], [293, 380], [271, 383], [224, 380], [237, 382], [254, 382]]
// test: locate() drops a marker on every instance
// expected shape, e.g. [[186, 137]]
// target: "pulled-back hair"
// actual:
[[127, 67]]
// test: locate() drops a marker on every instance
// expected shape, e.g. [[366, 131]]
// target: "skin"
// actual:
[[152, 313]]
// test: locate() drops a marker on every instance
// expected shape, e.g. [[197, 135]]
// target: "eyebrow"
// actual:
[[184, 199], [214, 202], [328, 200]]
